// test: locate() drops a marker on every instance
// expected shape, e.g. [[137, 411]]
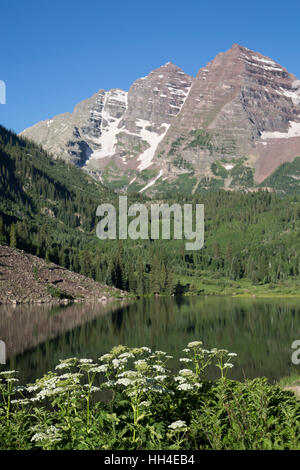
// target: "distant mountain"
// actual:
[[230, 127]]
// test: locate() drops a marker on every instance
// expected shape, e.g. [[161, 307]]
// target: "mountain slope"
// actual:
[[54, 202], [240, 113]]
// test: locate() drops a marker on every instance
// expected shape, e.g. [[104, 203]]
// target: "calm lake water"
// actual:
[[260, 331]]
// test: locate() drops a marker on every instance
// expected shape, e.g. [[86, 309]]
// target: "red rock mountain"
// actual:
[[233, 124]]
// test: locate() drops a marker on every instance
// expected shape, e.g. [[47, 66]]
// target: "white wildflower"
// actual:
[[178, 426], [160, 353], [194, 344], [63, 365], [131, 374], [145, 403], [106, 357], [51, 434], [179, 379], [161, 378], [126, 355], [39, 436], [140, 363], [92, 388], [8, 373], [185, 359], [185, 386], [35, 399], [116, 363], [198, 385], [102, 368], [32, 388], [24, 401], [156, 388], [124, 381], [232, 354], [71, 361], [68, 375], [228, 365], [186, 372]]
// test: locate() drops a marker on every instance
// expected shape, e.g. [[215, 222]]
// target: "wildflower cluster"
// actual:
[[198, 359], [141, 403]]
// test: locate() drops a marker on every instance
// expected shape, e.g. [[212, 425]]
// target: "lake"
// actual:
[[260, 331]]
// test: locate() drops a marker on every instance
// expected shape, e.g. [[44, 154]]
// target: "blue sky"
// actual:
[[57, 53]]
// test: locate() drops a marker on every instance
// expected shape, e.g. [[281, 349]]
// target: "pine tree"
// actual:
[[228, 256], [155, 277], [141, 281], [13, 236], [2, 234]]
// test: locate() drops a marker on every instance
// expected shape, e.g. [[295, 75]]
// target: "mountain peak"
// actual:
[[240, 105], [169, 66], [238, 46]]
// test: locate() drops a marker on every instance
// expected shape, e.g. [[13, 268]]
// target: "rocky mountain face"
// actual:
[[231, 126]]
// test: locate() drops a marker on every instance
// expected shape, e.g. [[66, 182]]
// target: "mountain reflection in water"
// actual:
[[260, 331]]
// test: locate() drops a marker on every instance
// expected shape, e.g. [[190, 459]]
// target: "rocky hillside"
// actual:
[[25, 278], [231, 126]]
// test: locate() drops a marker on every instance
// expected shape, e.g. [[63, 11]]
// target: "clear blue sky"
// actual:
[[56, 53]]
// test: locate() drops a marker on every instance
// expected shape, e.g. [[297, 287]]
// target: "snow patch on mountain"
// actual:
[[293, 131], [153, 139], [109, 125]]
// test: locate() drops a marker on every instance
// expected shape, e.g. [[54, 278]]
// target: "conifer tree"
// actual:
[[13, 236], [2, 234]]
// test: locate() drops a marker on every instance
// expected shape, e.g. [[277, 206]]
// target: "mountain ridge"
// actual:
[[171, 127]]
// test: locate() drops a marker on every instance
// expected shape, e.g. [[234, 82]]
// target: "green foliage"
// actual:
[[147, 406], [181, 163], [239, 176], [202, 139], [35, 273], [48, 208], [286, 178], [175, 146], [218, 169], [147, 175], [210, 184], [13, 236], [58, 293], [181, 185], [242, 175]]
